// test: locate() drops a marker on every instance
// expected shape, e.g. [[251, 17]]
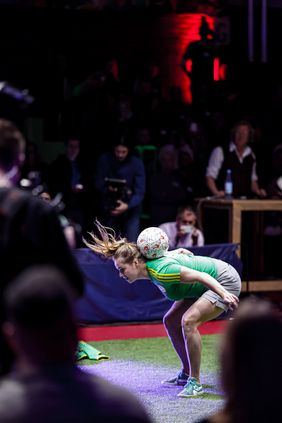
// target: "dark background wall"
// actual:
[[40, 47]]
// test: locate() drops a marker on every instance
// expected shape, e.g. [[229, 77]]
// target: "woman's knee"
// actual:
[[189, 322]]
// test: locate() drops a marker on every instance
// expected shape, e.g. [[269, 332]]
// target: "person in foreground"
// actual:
[[251, 369], [45, 385], [30, 230], [201, 287]]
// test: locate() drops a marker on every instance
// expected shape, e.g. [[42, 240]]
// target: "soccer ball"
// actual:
[[153, 243]]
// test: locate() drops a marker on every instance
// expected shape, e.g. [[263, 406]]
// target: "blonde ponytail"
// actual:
[[108, 245]]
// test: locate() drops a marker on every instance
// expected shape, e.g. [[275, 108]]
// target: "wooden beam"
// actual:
[[262, 286]]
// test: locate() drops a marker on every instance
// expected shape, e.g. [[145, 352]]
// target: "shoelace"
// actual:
[[194, 384]]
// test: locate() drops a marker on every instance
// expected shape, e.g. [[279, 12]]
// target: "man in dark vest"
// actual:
[[240, 159]]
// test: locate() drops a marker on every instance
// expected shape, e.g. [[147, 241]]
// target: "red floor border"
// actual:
[[153, 330]]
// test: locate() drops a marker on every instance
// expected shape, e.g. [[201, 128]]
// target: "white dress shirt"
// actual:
[[217, 157]]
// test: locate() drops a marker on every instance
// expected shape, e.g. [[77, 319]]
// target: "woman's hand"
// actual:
[[230, 299]]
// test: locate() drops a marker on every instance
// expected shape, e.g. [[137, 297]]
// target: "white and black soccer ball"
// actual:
[[153, 243]]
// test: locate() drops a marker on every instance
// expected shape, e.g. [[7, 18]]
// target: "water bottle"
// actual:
[[228, 184]]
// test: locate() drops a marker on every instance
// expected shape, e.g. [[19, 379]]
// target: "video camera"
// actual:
[[116, 190]]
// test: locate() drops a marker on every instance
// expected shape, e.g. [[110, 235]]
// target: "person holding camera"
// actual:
[[184, 232], [120, 180]]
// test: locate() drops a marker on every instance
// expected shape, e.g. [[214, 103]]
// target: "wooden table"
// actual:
[[235, 207]]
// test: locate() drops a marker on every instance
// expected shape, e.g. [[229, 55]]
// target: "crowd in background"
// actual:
[[128, 126]]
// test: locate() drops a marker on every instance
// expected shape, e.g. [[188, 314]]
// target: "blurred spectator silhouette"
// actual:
[[197, 63], [187, 171], [184, 231], [120, 180], [113, 79], [30, 231], [124, 122], [185, 166], [175, 110], [70, 175], [240, 158], [251, 368], [147, 93], [34, 169], [146, 148], [274, 188], [273, 220], [69, 228], [46, 385], [118, 6], [196, 138], [88, 109], [165, 189]]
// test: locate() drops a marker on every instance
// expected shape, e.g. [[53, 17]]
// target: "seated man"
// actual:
[[45, 385], [184, 232]]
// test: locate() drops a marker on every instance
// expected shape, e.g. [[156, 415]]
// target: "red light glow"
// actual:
[[216, 69], [179, 30]]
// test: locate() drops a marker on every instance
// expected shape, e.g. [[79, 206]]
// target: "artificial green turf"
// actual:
[[150, 356], [156, 350]]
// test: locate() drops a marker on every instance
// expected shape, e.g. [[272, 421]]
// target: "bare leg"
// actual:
[[201, 311], [173, 324]]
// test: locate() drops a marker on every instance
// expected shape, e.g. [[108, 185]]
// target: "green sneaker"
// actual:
[[178, 380], [191, 389]]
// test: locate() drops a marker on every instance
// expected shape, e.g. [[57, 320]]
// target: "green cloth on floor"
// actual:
[[86, 351]]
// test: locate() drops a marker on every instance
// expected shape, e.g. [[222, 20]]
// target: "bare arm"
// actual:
[[213, 188], [191, 276], [260, 192], [257, 190]]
